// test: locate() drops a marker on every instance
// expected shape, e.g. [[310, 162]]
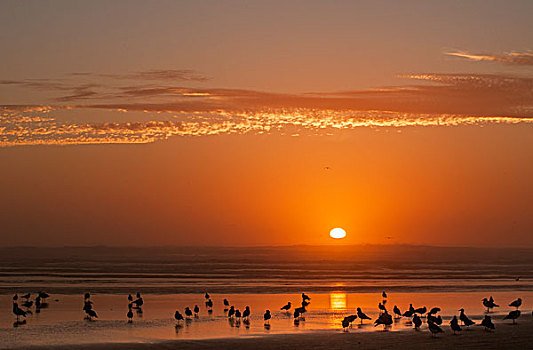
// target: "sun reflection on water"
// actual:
[[337, 301]]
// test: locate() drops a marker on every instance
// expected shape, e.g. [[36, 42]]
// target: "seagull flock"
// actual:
[[413, 315]]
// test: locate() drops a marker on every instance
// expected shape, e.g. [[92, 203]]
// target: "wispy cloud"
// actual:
[[517, 58]]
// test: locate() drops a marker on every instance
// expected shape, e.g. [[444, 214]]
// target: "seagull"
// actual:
[[487, 323], [26, 296], [351, 318], [226, 304], [434, 310], [238, 315], [516, 303], [305, 297], [437, 320], [139, 301], [286, 307], [15, 297], [513, 315], [188, 312], [231, 312], [345, 324], [397, 311], [130, 314], [305, 303], [362, 315], [296, 316], [385, 319], [130, 298], [18, 311], [417, 321], [246, 313], [209, 304], [206, 296], [384, 295], [196, 310], [420, 310], [489, 303], [87, 296], [92, 314], [454, 325], [43, 295], [178, 316], [410, 312], [434, 329], [382, 307], [267, 316], [466, 321], [27, 304]]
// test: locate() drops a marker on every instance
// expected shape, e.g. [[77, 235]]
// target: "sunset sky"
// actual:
[[266, 122]]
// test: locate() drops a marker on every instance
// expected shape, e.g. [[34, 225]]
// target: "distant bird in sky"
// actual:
[[454, 325], [434, 329], [130, 314], [362, 316], [489, 303], [516, 303], [397, 311], [487, 323], [286, 307], [267, 316], [513, 315], [466, 321], [417, 321]]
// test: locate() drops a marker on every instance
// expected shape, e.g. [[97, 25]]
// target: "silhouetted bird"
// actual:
[[397, 311], [410, 312], [226, 304], [345, 325], [487, 323], [384, 295], [489, 303], [246, 313], [38, 303], [516, 303], [188, 312], [385, 319], [417, 321], [26, 296], [238, 315], [92, 314], [15, 297], [206, 296], [44, 295], [305, 297], [351, 318], [27, 303], [305, 303], [196, 310], [301, 312], [129, 314], [454, 325], [296, 316], [87, 305], [362, 316], [231, 312], [87, 296], [434, 310], [209, 304], [178, 316], [18, 311], [139, 302], [513, 315], [435, 319], [130, 298], [381, 307], [466, 321], [267, 316], [421, 310], [434, 329], [286, 307]]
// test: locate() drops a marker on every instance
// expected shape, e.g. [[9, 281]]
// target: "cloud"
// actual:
[[516, 58]]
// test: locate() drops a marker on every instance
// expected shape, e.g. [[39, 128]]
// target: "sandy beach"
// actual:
[[506, 336]]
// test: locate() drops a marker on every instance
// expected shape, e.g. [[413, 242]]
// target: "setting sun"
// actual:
[[337, 233]]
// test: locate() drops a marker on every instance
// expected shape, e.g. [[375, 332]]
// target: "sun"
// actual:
[[337, 233]]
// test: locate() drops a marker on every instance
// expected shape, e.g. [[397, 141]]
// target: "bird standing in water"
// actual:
[[397, 311], [517, 303], [266, 317], [434, 329], [385, 319], [513, 315], [417, 322], [286, 307], [178, 316], [362, 316], [231, 312], [188, 312], [489, 303], [487, 323], [130, 314], [305, 297], [466, 321], [454, 325], [196, 310]]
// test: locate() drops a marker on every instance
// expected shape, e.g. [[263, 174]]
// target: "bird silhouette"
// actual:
[[196, 310], [139, 302], [345, 324], [238, 315], [362, 316], [178, 316], [207, 296], [516, 303], [385, 319], [130, 314], [231, 312], [454, 325], [26, 296], [91, 314], [351, 318], [513, 315], [246, 313], [489, 303], [27, 304], [286, 307], [188, 312], [18, 311], [130, 298], [209, 304], [382, 308], [410, 312], [466, 321], [15, 297], [420, 310], [434, 310], [417, 321], [226, 304], [384, 295], [435, 319], [434, 329], [305, 297], [487, 323], [397, 311], [267, 316], [44, 295]]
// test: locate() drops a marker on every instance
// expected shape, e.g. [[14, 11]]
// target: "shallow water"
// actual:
[[63, 321]]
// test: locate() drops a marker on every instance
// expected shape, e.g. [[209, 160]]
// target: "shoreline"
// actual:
[[506, 336]]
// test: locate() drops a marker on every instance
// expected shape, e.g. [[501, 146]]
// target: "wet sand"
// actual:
[[506, 336]]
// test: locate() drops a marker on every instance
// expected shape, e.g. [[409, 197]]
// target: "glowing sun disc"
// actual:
[[337, 233]]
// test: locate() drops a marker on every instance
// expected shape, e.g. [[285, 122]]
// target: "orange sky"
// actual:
[[266, 123]]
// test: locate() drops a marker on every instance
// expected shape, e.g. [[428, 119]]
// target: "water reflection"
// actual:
[[337, 301]]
